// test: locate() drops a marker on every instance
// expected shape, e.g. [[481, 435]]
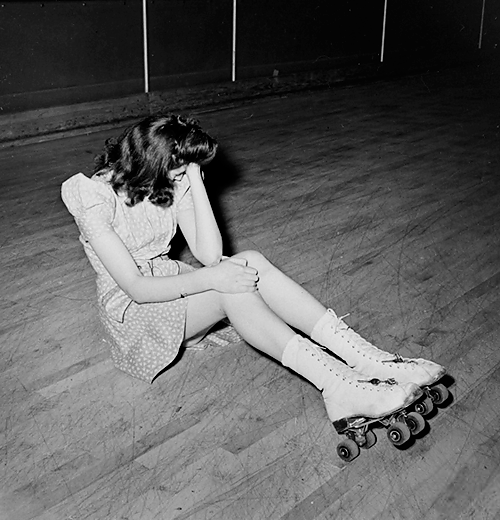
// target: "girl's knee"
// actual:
[[254, 259]]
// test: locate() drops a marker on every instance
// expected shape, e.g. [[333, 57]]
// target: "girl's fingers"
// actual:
[[253, 282], [239, 261], [253, 279]]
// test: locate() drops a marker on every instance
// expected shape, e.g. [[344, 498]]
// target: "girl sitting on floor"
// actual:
[[147, 183]]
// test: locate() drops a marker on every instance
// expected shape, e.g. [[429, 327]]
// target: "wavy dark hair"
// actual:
[[140, 159]]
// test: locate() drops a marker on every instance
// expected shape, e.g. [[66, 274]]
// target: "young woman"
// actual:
[[147, 183]]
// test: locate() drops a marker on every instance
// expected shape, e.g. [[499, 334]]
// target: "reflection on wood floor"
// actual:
[[381, 199]]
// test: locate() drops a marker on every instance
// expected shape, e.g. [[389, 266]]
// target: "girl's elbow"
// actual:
[[208, 259], [135, 296], [135, 293], [208, 255], [139, 299]]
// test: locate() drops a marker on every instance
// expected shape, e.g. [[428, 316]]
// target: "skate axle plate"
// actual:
[[401, 424], [362, 423]]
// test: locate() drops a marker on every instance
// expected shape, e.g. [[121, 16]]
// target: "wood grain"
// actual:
[[383, 200]]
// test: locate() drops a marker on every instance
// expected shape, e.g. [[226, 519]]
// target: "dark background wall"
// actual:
[[55, 53]]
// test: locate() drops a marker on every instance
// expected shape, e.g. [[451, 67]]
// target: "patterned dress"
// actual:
[[146, 337]]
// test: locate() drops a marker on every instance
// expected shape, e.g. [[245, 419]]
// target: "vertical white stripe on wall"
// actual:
[[382, 48], [481, 27], [145, 44], [233, 54]]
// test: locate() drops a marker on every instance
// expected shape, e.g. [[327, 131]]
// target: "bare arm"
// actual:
[[199, 226], [227, 276]]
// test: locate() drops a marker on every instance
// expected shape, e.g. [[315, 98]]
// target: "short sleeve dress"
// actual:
[[144, 338]]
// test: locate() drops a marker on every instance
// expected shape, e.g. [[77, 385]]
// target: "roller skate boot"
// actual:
[[333, 333], [355, 402]]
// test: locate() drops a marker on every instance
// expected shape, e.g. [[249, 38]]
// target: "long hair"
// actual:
[[140, 159]]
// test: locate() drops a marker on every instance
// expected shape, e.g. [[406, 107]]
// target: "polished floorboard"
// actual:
[[383, 200]]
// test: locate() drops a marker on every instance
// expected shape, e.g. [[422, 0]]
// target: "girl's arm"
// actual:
[[227, 276], [199, 226]]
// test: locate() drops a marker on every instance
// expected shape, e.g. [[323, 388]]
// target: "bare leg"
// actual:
[[293, 304], [249, 315], [345, 391]]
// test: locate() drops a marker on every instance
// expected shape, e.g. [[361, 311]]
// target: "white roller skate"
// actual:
[[333, 333], [354, 402]]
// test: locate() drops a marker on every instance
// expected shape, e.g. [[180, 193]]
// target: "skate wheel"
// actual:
[[415, 422], [348, 450], [398, 433], [370, 441], [424, 407], [439, 394]]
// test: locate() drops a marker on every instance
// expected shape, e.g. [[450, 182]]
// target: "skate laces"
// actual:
[[398, 358], [323, 353], [375, 381], [361, 343], [341, 326]]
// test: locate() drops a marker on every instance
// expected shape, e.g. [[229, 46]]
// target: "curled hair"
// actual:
[[140, 159]]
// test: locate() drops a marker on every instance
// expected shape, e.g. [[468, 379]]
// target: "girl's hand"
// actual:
[[233, 276]]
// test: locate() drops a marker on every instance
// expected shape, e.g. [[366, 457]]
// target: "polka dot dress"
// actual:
[[146, 337]]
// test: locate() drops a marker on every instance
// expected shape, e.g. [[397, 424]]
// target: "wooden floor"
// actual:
[[383, 200]]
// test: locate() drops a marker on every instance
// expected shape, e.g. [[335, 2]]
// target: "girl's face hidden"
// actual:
[[177, 173]]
